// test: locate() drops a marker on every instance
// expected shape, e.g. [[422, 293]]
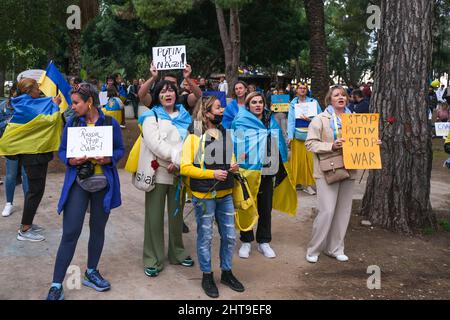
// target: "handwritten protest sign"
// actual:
[[90, 142], [442, 129], [280, 103], [360, 132], [169, 58], [103, 98], [307, 109]]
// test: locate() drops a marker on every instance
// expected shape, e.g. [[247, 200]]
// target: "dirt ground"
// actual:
[[411, 267]]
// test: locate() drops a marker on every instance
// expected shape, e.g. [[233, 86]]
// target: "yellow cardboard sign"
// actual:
[[361, 134]]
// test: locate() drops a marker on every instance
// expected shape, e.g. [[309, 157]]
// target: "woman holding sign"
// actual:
[[301, 111], [87, 180], [334, 199], [164, 128]]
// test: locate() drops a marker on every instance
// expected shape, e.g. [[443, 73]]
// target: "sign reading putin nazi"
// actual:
[[169, 58], [361, 135]]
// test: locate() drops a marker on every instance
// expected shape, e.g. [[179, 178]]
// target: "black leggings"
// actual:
[[264, 230], [74, 213], [37, 175]]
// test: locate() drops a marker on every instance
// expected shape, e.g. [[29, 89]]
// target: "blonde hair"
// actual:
[[330, 93], [26, 85], [204, 105]]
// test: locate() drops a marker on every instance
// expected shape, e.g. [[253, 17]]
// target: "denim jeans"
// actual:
[[12, 166], [206, 211]]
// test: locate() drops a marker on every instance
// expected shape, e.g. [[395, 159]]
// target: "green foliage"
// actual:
[[348, 39], [160, 13]]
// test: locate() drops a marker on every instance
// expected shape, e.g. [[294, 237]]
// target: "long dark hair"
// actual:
[[85, 91]]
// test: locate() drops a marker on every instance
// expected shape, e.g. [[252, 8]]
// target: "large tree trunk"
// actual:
[[318, 53], [398, 196], [231, 41], [75, 52], [2, 82], [89, 10]]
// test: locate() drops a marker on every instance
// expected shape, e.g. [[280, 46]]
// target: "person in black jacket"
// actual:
[[35, 166], [360, 102]]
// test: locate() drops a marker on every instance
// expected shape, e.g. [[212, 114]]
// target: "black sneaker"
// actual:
[[185, 228], [209, 286], [230, 280], [56, 294]]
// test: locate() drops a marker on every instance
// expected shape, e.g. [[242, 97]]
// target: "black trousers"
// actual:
[[37, 175], [264, 230]]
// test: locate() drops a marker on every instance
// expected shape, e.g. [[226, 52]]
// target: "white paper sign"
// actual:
[[103, 98], [308, 109], [442, 129], [169, 58], [30, 74], [90, 142]]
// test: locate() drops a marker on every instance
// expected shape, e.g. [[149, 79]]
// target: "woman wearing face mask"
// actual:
[[211, 183], [262, 154], [334, 201], [164, 129], [100, 189], [240, 91]]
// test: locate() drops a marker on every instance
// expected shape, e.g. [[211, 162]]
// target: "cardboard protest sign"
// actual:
[[307, 109], [280, 103], [103, 98], [442, 129], [169, 58], [361, 134], [90, 142]]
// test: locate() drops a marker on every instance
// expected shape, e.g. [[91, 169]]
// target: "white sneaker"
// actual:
[[309, 190], [8, 209], [312, 259], [342, 258], [266, 250], [244, 251]]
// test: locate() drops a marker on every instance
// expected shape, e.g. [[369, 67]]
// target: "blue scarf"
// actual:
[[181, 122], [333, 125]]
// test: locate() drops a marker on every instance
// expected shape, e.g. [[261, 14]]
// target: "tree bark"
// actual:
[[89, 10], [75, 52], [398, 196], [2, 82], [231, 41], [319, 66]]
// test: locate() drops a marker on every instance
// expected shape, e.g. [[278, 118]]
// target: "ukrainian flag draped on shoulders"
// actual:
[[52, 83], [250, 142], [35, 127], [182, 121]]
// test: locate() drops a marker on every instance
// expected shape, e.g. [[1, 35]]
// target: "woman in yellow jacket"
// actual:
[[207, 159]]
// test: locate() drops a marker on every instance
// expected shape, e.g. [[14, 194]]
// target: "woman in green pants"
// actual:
[[164, 128]]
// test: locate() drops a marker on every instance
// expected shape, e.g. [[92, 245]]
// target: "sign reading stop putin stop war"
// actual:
[[361, 149]]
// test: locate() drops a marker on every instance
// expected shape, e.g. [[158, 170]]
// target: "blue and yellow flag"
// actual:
[[250, 140], [52, 83], [35, 127]]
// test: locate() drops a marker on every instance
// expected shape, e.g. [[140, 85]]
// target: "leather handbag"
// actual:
[[333, 168]]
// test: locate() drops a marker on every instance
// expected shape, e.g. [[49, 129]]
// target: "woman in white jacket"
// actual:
[[164, 128]]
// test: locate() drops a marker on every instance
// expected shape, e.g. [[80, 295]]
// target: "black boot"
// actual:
[[230, 280], [209, 286]]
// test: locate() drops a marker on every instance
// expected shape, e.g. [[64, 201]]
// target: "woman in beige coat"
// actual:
[[334, 200]]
